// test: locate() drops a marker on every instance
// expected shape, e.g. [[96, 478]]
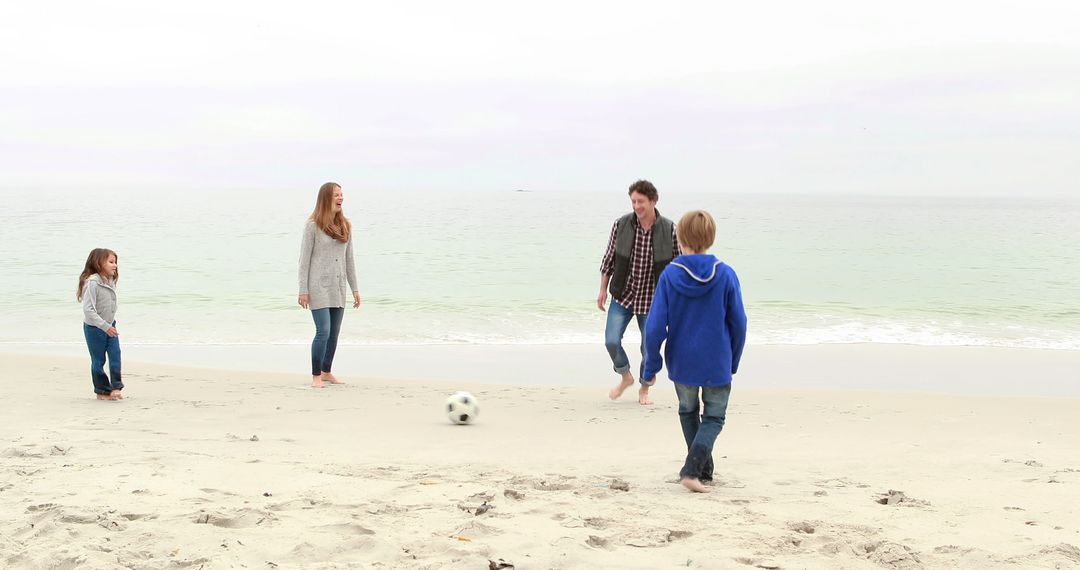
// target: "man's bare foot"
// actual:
[[116, 395], [694, 485], [104, 397], [316, 382], [643, 396], [626, 382], [330, 378]]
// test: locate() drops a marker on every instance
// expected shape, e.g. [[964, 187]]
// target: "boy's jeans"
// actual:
[[700, 431], [101, 344], [618, 318], [324, 345]]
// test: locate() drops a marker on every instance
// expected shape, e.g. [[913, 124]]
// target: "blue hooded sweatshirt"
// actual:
[[698, 310]]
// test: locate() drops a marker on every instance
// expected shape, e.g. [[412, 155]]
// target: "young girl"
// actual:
[[97, 291], [326, 262]]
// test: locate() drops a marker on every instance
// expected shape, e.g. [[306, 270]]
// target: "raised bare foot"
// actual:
[[330, 378], [626, 382], [694, 485], [643, 396], [116, 395], [104, 397], [316, 382]]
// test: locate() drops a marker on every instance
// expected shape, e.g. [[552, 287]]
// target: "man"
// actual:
[[642, 243]]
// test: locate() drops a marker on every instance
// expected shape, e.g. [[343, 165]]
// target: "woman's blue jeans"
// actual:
[[618, 318], [700, 431], [324, 345], [101, 345]]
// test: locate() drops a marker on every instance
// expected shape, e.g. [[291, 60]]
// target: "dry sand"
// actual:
[[204, 468]]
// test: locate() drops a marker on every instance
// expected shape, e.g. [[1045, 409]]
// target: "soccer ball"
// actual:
[[462, 408]]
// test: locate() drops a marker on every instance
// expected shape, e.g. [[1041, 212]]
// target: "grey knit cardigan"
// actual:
[[325, 265]]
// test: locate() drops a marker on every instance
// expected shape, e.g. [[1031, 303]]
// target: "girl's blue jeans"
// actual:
[[700, 429], [101, 345], [324, 345]]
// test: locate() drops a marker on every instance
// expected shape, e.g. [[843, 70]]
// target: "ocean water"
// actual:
[[219, 267]]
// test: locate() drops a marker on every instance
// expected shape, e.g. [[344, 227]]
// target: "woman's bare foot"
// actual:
[[316, 382], [116, 395], [694, 485], [330, 378], [626, 382], [104, 397], [643, 396]]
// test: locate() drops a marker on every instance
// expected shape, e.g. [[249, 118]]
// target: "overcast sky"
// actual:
[[973, 98]]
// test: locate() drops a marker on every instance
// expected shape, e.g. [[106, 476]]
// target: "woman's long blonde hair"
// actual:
[[95, 263], [335, 225]]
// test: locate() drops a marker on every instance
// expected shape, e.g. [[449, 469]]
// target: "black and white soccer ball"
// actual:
[[462, 408]]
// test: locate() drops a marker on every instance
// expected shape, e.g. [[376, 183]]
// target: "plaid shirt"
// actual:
[[641, 284]]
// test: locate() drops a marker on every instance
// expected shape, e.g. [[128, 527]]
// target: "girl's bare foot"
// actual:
[[643, 396], [331, 378], [694, 485], [626, 382], [116, 395], [104, 397], [316, 382]]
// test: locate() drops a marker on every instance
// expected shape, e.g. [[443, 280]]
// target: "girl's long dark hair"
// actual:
[[95, 263]]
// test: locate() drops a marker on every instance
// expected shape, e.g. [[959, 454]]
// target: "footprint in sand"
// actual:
[[138, 516], [893, 497], [218, 492], [552, 485], [804, 527], [758, 563], [597, 542], [239, 518], [839, 482], [891, 555], [655, 538], [1027, 463], [346, 528], [22, 453], [598, 523]]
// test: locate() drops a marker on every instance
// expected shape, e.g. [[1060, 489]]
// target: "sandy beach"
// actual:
[[228, 468]]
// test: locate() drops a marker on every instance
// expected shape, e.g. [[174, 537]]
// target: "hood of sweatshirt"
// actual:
[[102, 281], [695, 275]]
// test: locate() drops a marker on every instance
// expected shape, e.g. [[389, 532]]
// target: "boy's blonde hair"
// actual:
[[697, 230]]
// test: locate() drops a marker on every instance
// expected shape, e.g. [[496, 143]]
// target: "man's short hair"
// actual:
[[646, 189], [697, 230]]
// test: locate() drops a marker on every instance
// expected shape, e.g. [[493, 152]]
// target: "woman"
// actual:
[[326, 262]]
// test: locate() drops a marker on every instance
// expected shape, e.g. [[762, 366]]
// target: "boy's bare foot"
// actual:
[[626, 382], [316, 382], [104, 397], [330, 378], [643, 396], [116, 395], [694, 485]]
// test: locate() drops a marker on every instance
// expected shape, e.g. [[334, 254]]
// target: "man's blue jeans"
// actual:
[[324, 345], [618, 318], [700, 431], [101, 345]]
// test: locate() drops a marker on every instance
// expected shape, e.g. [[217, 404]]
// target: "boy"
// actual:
[[698, 310]]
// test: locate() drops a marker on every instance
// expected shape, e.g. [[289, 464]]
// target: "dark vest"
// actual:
[[663, 251]]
